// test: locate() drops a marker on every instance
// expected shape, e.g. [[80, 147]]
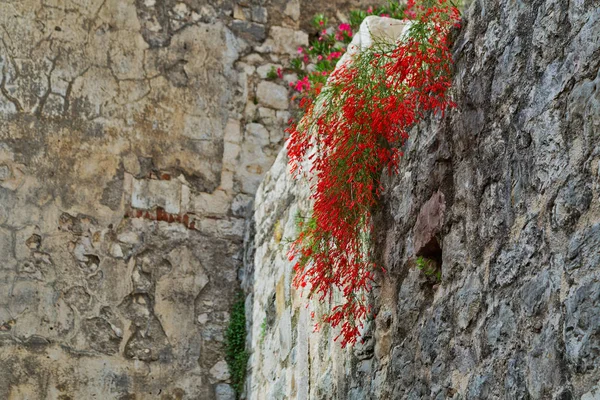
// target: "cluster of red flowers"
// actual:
[[352, 132]]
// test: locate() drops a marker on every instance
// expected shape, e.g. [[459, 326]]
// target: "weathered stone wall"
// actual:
[[289, 360], [503, 193], [133, 136]]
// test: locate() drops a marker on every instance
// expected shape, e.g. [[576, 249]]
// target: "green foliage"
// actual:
[[357, 17], [319, 21], [298, 67], [393, 10], [235, 341], [429, 268], [272, 74], [462, 5]]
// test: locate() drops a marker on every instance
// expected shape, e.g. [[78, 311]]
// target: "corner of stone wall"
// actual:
[[502, 195]]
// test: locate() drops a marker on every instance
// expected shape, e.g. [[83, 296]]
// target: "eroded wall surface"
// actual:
[[504, 194], [133, 136]]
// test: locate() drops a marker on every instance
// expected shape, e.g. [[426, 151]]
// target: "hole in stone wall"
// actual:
[[432, 250], [427, 237], [429, 261]]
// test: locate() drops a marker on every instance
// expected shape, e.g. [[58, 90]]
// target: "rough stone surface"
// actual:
[[429, 224], [272, 95], [130, 150], [515, 315]]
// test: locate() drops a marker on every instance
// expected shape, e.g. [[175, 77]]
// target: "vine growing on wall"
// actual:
[[235, 342], [352, 130]]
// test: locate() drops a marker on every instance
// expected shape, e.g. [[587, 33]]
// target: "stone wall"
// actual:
[[133, 136], [503, 195]]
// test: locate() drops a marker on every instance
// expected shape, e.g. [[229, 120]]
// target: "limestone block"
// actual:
[[256, 135], [292, 9], [232, 228], [249, 31], [220, 371], [272, 95], [285, 40], [224, 392], [149, 193], [231, 152], [233, 132], [226, 181], [283, 117], [373, 27], [267, 116], [276, 135], [216, 203], [260, 14]]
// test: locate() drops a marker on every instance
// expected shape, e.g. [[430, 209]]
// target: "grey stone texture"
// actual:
[[516, 314]]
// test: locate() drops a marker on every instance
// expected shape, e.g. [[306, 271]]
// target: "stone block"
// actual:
[[224, 391], [267, 116], [272, 95], [231, 152], [286, 40], [249, 31], [150, 193], [216, 203], [233, 131], [260, 14], [220, 371]]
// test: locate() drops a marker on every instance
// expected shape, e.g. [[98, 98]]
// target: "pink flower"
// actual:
[[302, 84], [345, 27], [319, 57], [334, 55], [300, 50], [370, 10], [321, 23], [279, 73], [385, 15]]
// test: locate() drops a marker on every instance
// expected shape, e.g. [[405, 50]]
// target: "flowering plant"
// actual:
[[352, 130], [314, 63]]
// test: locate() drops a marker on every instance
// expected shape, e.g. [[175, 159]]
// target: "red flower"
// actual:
[[365, 115]]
